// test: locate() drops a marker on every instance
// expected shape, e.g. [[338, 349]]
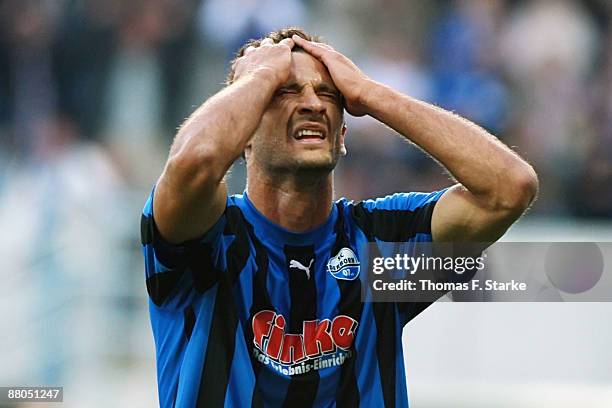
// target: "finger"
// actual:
[[288, 42], [322, 45], [313, 48], [301, 40], [249, 49], [267, 41]]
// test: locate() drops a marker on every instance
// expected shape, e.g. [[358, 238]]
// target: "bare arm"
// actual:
[[496, 185], [190, 194]]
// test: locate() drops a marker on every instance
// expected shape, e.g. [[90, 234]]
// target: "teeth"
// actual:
[[308, 132]]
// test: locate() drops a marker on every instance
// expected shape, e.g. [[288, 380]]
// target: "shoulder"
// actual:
[[396, 217], [229, 219], [405, 201]]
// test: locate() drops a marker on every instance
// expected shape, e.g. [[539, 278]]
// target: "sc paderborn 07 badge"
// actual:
[[344, 265]]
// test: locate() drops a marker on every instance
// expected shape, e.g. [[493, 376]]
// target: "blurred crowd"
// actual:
[[92, 91], [119, 77]]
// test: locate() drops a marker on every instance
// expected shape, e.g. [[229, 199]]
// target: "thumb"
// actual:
[[288, 42]]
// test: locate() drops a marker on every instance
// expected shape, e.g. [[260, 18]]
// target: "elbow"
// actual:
[[195, 167], [521, 189], [527, 186]]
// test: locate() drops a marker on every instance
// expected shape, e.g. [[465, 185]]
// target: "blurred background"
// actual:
[[91, 93]]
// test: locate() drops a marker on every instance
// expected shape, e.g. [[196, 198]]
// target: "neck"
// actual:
[[296, 202]]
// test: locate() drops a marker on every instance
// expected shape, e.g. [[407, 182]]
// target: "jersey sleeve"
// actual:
[[176, 273], [401, 217], [406, 218]]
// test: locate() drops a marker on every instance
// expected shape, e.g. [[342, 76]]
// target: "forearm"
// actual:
[[492, 172], [496, 186], [190, 194], [218, 131]]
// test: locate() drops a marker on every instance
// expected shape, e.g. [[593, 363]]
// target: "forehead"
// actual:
[[307, 69]]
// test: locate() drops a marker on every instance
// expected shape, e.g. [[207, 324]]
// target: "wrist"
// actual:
[[377, 99], [268, 77], [368, 94], [263, 77]]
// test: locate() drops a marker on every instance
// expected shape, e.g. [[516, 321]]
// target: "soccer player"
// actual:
[[255, 299]]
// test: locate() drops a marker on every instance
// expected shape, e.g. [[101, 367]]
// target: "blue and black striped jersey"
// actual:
[[251, 314]]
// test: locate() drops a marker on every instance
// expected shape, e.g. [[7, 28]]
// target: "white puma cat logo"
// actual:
[[296, 264]]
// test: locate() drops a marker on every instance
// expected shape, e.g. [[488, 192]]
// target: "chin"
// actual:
[[321, 161], [320, 164]]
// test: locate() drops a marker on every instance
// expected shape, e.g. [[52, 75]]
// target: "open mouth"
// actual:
[[310, 133]]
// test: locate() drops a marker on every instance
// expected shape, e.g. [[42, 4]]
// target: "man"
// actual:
[[255, 298]]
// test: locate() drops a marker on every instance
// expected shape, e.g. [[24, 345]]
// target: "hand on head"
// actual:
[[347, 77], [275, 59], [268, 57]]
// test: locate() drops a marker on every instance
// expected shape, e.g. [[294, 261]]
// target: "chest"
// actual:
[[294, 307]]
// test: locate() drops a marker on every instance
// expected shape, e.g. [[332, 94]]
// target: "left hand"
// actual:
[[349, 79]]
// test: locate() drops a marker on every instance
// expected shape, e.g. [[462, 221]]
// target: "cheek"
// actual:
[[271, 130], [266, 125], [335, 110], [274, 118], [336, 119]]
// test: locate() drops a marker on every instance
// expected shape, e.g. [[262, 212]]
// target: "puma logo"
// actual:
[[298, 265]]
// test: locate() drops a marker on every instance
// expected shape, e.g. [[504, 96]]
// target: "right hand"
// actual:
[[269, 58]]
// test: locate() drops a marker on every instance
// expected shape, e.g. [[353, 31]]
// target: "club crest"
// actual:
[[344, 265]]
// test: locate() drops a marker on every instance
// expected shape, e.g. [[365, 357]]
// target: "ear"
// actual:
[[342, 137], [247, 151]]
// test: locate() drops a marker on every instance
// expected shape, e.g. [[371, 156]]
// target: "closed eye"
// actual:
[[331, 95], [287, 91]]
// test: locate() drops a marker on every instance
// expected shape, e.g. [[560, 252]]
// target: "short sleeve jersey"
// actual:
[[251, 314]]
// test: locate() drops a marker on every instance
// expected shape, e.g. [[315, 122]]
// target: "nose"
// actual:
[[310, 103]]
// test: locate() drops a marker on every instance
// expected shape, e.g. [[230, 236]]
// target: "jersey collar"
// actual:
[[281, 235]]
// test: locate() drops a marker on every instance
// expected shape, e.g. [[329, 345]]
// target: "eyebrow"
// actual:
[[327, 88], [321, 87]]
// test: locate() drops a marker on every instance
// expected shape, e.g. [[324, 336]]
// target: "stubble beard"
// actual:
[[282, 162]]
